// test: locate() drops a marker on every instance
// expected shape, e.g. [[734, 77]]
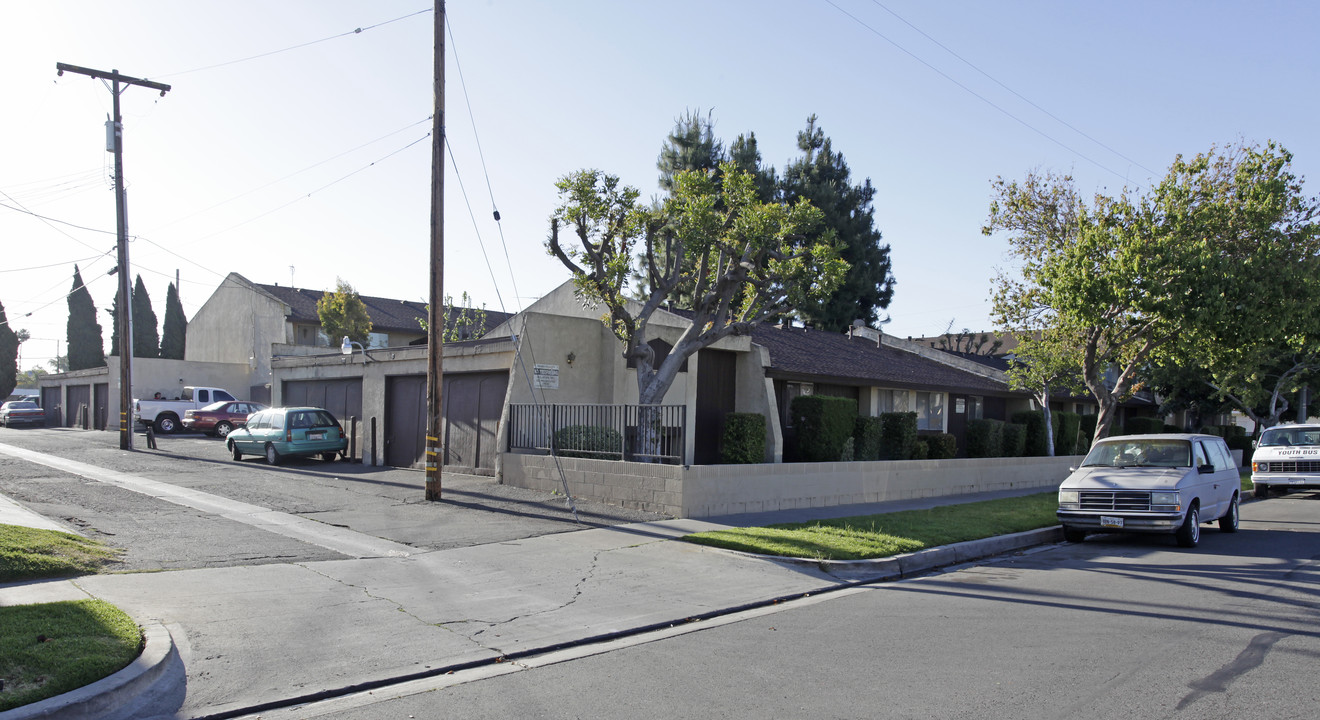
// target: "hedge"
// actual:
[[866, 438], [744, 439], [1015, 440], [1144, 425], [985, 438], [823, 425], [1035, 422], [898, 435], [588, 441], [940, 446], [1069, 439]]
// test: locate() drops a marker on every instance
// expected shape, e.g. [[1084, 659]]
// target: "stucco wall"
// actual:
[[237, 323], [714, 490]]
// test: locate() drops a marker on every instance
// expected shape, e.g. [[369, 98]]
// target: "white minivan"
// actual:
[[1168, 483], [1287, 457]]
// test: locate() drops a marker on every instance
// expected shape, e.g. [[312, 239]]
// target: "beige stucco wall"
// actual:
[[238, 324], [714, 490]]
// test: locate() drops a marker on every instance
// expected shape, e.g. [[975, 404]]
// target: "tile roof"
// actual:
[[837, 357], [386, 314]]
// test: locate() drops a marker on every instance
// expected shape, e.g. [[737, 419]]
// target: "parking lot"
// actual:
[[156, 534]]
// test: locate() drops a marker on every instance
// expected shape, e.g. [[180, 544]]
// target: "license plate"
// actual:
[[1296, 481], [316, 435], [1111, 522]]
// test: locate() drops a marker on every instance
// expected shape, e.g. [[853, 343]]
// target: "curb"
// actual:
[[899, 566], [111, 696]]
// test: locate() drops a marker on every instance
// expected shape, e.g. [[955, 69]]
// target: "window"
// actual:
[[379, 340], [1199, 456], [221, 395], [930, 411], [975, 407], [1220, 455], [894, 401], [204, 397]]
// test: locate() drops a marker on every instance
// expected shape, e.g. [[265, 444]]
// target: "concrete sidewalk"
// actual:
[[250, 637]]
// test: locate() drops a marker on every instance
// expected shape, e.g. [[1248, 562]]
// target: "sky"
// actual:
[[293, 149]]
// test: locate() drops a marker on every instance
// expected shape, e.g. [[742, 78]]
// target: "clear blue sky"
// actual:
[[316, 157]]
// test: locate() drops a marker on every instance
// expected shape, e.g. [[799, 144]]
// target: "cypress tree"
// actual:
[[146, 335], [113, 310], [86, 344], [8, 356], [175, 332]]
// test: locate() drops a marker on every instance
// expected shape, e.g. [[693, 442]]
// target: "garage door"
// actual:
[[341, 396], [472, 402]]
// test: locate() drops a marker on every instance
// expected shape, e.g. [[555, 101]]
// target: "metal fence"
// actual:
[[606, 432]]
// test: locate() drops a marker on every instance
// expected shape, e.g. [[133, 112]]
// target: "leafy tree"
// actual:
[[86, 344], [343, 313], [822, 176], [32, 376], [146, 328], [1217, 264], [746, 261], [9, 341], [462, 322], [173, 337], [969, 342]]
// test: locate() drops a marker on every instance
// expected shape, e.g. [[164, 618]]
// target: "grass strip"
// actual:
[[52, 648], [32, 554], [876, 536]]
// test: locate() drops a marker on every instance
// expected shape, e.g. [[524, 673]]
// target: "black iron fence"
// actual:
[[606, 432]]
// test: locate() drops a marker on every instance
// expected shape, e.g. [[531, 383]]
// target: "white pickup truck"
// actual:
[[165, 414], [1287, 457]]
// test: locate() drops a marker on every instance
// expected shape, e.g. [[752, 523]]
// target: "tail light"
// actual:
[[341, 428], [288, 435]]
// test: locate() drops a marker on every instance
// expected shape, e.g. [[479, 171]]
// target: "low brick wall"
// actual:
[[713, 490]]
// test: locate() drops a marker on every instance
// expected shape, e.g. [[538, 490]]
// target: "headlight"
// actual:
[[1169, 501], [1068, 499]]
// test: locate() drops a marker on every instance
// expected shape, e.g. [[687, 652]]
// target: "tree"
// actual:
[[86, 344], [32, 376], [691, 145], [113, 310], [9, 342], [173, 339], [146, 328], [462, 322], [822, 176], [343, 313], [746, 261], [1217, 264]]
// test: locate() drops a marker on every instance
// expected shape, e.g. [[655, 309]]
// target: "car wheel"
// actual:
[[1190, 532], [272, 456], [1262, 491], [166, 424], [329, 457], [1073, 535], [223, 429], [1229, 522], [233, 448]]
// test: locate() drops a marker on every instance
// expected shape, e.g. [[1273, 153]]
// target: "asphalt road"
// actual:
[[1116, 627], [383, 502]]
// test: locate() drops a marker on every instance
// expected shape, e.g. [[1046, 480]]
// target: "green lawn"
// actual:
[[52, 648], [877, 536]]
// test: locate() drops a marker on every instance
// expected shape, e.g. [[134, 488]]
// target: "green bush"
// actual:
[[823, 425], [1014, 440], [940, 446], [1212, 430], [1088, 427], [866, 438], [1243, 443], [1172, 428], [1144, 425], [589, 441], [1068, 440], [920, 450], [1035, 422], [985, 438], [744, 439], [1232, 431], [898, 435]]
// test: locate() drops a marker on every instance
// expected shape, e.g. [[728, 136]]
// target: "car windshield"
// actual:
[[1285, 436], [1140, 453], [216, 406], [20, 405]]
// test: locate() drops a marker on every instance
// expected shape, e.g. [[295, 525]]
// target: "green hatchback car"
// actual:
[[282, 432]]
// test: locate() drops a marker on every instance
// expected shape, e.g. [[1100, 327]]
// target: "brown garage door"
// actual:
[[472, 402], [341, 396]]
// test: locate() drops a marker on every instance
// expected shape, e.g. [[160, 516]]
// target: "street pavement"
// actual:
[[264, 636]]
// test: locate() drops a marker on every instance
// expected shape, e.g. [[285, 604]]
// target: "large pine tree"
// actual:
[[146, 334], [86, 344], [113, 311], [822, 176], [175, 332]]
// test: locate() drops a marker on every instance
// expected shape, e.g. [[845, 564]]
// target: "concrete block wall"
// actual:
[[713, 490]]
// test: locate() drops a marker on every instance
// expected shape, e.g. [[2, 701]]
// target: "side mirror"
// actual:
[[1072, 468], [1206, 469]]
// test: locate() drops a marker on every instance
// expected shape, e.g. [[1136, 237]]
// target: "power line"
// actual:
[[355, 31]]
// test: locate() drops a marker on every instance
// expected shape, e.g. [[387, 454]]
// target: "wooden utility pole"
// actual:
[[435, 321], [125, 308]]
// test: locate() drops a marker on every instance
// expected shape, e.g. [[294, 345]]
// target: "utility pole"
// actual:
[[125, 309], [435, 320]]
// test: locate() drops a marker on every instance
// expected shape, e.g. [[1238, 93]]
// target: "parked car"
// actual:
[[220, 418], [1287, 457], [1167, 483], [21, 412], [278, 433], [164, 414]]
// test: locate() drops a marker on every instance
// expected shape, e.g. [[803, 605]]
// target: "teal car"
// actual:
[[278, 433]]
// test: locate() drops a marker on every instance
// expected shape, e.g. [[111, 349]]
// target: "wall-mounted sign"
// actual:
[[545, 376], [960, 405]]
